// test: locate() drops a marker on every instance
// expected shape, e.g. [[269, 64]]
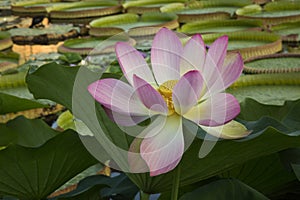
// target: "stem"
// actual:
[[175, 185], [144, 196]]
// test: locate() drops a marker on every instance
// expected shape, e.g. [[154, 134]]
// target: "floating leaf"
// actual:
[[82, 12], [135, 25], [273, 12], [5, 40], [277, 63], [269, 89], [220, 26], [249, 44]]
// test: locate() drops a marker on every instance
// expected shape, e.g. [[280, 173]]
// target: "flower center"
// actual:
[[166, 90]]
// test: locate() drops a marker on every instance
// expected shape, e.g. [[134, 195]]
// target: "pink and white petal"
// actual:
[[154, 127], [150, 97], [133, 62], [230, 130], [187, 91], [125, 119], [217, 51], [117, 96], [194, 53], [215, 111], [232, 69], [163, 152], [166, 52]]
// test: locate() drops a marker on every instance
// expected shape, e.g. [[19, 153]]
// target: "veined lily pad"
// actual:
[[249, 44], [272, 13], [5, 40], [83, 12], [132, 23], [271, 89], [32, 8], [50, 35], [278, 63], [8, 61], [290, 32], [220, 26], [144, 6], [205, 10], [84, 46]]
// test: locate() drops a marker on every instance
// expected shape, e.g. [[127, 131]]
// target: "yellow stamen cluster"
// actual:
[[166, 90]]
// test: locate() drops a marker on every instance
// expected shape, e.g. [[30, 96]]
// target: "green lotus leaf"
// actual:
[[220, 26], [269, 89], [277, 63], [132, 23], [36, 172], [224, 189], [270, 174], [249, 44], [5, 40]]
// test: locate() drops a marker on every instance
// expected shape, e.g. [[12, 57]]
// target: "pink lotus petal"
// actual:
[[132, 62], [150, 97], [194, 53], [165, 56], [232, 69], [163, 151], [217, 51], [187, 91], [117, 96], [124, 119], [215, 111]]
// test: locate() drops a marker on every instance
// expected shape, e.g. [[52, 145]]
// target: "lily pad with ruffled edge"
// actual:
[[277, 63], [290, 32], [32, 8], [50, 35], [272, 13], [5, 40], [135, 25], [83, 12], [269, 89], [249, 44], [8, 61], [205, 10], [218, 26], [144, 6], [85, 46]]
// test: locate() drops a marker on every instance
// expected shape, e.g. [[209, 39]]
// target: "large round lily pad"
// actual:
[[205, 10], [32, 8], [5, 40], [84, 46], [143, 6], [277, 63], [272, 13], [83, 12], [8, 60], [132, 23], [249, 44], [50, 35], [217, 26], [271, 89], [290, 31]]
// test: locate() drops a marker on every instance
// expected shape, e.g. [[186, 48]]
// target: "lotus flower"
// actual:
[[184, 83]]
